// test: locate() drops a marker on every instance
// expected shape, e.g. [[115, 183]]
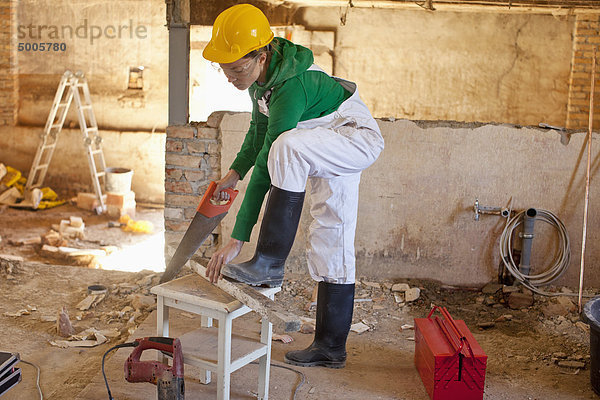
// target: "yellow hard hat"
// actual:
[[236, 32]]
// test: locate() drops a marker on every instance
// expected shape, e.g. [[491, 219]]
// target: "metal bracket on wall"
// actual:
[[504, 212]]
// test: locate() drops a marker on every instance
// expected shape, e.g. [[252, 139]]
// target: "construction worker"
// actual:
[[306, 127]]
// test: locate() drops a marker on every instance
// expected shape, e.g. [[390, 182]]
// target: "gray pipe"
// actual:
[[527, 240]]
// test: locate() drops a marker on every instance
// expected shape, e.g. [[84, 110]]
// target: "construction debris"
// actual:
[[90, 301], [359, 327], [17, 313], [400, 287], [74, 256], [88, 201], [517, 300], [63, 324], [10, 196], [73, 227], [9, 264], [119, 204], [25, 241], [88, 338], [53, 238], [282, 338], [412, 294]]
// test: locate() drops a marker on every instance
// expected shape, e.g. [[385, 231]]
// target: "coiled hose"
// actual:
[[559, 264]]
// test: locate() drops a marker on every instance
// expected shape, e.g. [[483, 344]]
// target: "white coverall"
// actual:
[[331, 152]]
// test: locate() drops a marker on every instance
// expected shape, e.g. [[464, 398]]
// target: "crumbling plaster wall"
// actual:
[[102, 39], [143, 152], [463, 65], [416, 214]]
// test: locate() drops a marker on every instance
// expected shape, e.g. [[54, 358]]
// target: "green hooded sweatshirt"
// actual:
[[296, 95]]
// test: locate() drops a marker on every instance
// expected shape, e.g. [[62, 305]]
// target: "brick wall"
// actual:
[[586, 38], [8, 63], [192, 161]]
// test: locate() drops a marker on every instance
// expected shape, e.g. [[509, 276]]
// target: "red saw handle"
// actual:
[[209, 209]]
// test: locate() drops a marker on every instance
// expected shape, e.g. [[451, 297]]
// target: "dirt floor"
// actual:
[[535, 352]]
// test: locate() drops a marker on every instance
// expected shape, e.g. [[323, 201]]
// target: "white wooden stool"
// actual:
[[215, 349]]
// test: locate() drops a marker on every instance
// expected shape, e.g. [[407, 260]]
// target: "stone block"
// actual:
[[194, 176], [189, 212], [177, 226], [173, 213], [88, 201], [174, 146], [183, 160], [178, 187], [204, 146], [120, 199], [181, 131], [518, 300], [214, 119], [174, 173], [119, 204], [181, 200], [208, 133], [117, 212]]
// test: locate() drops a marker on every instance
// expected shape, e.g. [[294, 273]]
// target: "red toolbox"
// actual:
[[449, 359]]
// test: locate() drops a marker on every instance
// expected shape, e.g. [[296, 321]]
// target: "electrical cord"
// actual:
[[37, 382], [302, 376], [560, 262], [119, 346]]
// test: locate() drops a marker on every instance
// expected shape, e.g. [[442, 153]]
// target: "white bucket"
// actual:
[[118, 180]]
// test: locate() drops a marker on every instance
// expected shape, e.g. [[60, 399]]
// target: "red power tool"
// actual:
[[168, 379]]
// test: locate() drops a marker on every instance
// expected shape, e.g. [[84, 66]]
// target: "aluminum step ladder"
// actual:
[[71, 87]]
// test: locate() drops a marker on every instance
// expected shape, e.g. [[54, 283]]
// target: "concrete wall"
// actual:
[[9, 83], [416, 209], [143, 152], [469, 65], [102, 39]]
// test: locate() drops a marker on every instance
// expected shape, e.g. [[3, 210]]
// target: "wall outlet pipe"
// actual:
[[527, 240]]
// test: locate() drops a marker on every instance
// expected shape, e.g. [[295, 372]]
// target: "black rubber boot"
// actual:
[[335, 304], [277, 233]]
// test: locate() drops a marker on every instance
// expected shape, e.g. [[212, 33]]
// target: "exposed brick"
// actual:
[[174, 146], [194, 176], [178, 187], [183, 160], [177, 226], [181, 200], [189, 213], [173, 173], [173, 213], [181, 131], [208, 133], [197, 147]]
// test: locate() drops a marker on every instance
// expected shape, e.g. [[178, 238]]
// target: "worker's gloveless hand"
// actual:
[[228, 181], [222, 257]]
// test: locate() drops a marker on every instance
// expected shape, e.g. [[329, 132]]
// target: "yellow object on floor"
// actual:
[[130, 225], [14, 178], [11, 177]]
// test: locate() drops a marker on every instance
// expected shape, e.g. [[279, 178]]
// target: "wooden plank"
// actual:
[[265, 307], [195, 290]]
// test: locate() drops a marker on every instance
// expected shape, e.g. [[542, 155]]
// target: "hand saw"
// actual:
[[208, 216]]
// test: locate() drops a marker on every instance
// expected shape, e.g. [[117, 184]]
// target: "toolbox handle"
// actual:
[[209, 209], [453, 334]]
